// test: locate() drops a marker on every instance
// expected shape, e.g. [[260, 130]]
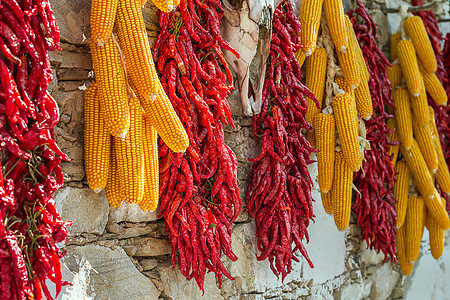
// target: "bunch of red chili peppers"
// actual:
[[441, 113], [279, 191], [375, 204], [30, 225], [199, 192]]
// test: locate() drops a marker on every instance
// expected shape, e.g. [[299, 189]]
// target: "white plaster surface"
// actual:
[[430, 278]]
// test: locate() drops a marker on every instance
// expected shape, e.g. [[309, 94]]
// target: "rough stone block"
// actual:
[[131, 213], [384, 281], [177, 287], [152, 247], [86, 209], [108, 274], [73, 20]]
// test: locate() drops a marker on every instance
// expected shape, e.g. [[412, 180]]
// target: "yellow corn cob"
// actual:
[[434, 88], [130, 158], [300, 56], [103, 15], [442, 174], [133, 41], [327, 202], [403, 117], [393, 137], [423, 138], [111, 87], [436, 235], [164, 5], [114, 190], [341, 192], [419, 106], [395, 38], [176, 3], [151, 189], [344, 86], [344, 108], [316, 69], [405, 265], [163, 118], [143, 77], [394, 74], [414, 226], [364, 73], [432, 122], [310, 13], [143, 2], [350, 69], [334, 14], [363, 101], [97, 141], [410, 68], [419, 37], [325, 129], [400, 191], [424, 182]]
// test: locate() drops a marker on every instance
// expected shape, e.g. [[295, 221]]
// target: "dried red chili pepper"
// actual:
[[375, 204], [282, 213], [205, 177]]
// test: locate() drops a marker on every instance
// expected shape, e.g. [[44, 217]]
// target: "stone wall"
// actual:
[[124, 253]]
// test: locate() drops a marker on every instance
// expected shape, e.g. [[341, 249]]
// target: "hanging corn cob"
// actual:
[[310, 13], [130, 158], [400, 191], [416, 30], [403, 117], [436, 235], [316, 68], [361, 62], [405, 265], [112, 87], [334, 13], [97, 141], [425, 142], [414, 226], [103, 17], [434, 88], [344, 108], [341, 192], [410, 68], [394, 74], [325, 142], [151, 164], [395, 39]]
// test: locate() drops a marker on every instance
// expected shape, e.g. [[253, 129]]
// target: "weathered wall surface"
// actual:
[[124, 254]]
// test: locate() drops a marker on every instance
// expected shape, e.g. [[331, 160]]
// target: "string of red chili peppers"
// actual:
[[375, 204], [279, 191], [199, 192], [441, 112], [30, 225]]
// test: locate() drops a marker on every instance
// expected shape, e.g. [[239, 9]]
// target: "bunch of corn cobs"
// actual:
[[126, 108], [337, 119], [421, 166]]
